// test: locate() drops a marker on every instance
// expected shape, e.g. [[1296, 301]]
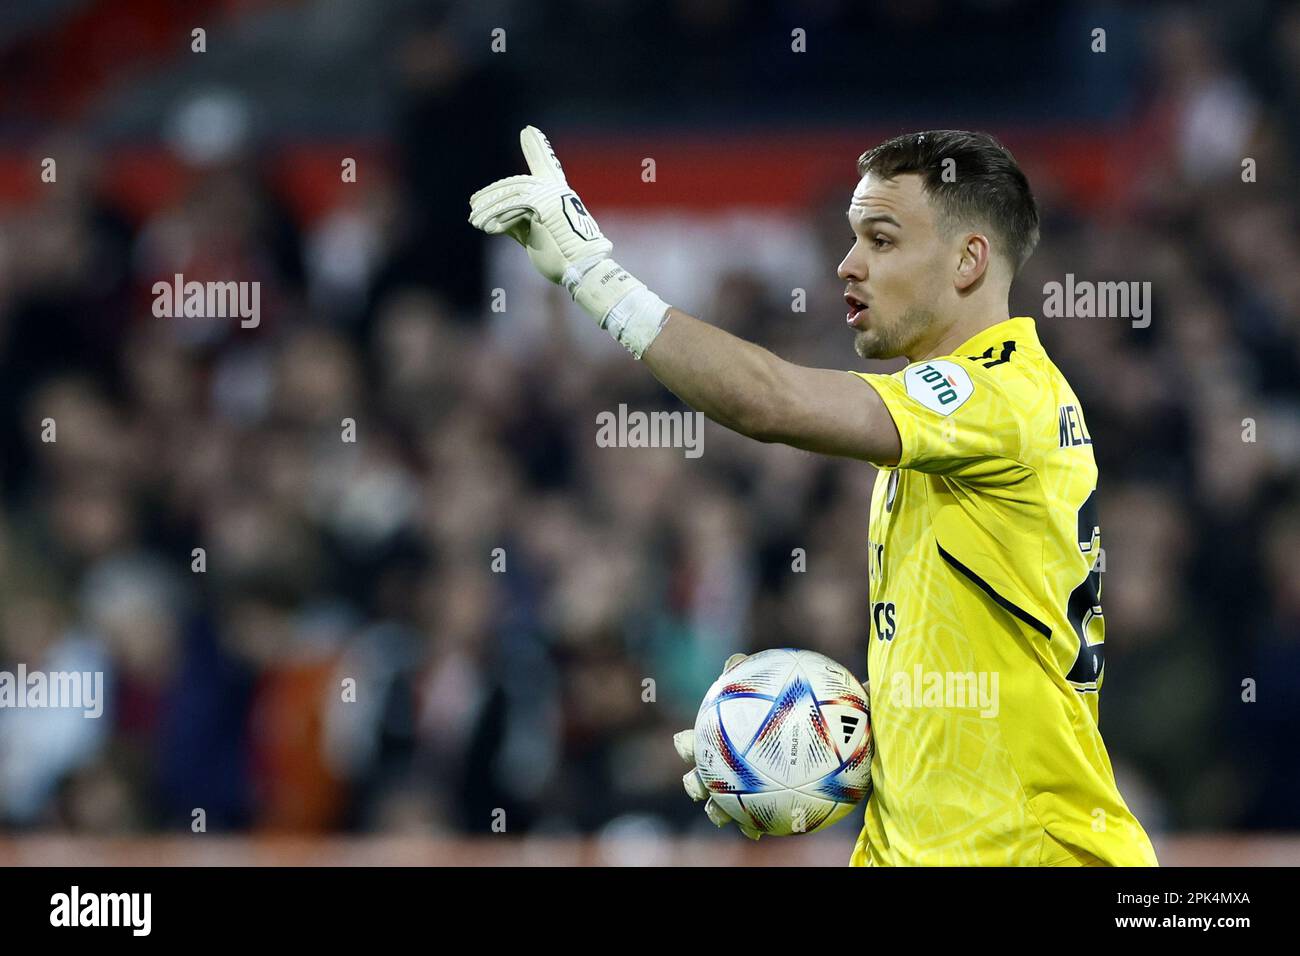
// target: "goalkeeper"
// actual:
[[983, 537]]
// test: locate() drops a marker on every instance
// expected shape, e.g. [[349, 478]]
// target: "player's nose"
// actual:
[[852, 268]]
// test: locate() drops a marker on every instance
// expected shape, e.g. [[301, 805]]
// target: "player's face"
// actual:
[[896, 269]]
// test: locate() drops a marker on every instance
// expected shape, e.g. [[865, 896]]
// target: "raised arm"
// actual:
[[734, 382]]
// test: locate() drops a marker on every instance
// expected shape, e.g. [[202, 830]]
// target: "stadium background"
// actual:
[[523, 690]]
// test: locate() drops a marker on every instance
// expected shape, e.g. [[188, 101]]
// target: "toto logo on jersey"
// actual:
[[939, 385]]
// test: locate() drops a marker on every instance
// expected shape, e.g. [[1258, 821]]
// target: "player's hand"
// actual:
[[684, 741], [543, 214]]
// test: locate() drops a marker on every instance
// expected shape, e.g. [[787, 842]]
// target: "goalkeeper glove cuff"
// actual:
[[618, 301]]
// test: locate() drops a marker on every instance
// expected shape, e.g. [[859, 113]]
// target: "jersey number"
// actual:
[[1084, 606]]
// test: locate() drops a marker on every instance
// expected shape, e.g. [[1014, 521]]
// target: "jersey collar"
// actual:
[[1018, 327]]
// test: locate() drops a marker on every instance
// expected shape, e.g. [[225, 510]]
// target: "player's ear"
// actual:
[[973, 261]]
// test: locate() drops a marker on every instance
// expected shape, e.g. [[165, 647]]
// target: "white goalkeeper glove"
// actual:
[[684, 741], [544, 215]]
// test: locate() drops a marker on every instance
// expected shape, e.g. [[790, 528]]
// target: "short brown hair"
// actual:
[[989, 188]]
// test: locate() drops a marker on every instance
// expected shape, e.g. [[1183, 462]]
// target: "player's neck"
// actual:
[[957, 333]]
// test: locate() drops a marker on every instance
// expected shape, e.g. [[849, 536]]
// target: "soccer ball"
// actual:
[[783, 742]]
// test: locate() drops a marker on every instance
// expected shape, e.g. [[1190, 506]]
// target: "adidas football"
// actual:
[[783, 742]]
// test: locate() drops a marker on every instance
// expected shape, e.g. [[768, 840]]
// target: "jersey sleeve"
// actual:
[[953, 419]]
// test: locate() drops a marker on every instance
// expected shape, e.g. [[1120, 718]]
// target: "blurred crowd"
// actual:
[[471, 608]]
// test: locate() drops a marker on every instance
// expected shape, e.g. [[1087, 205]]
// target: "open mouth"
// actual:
[[857, 310]]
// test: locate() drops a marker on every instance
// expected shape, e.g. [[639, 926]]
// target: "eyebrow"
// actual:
[[879, 217]]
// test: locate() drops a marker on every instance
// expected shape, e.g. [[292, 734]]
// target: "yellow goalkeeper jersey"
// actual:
[[987, 637]]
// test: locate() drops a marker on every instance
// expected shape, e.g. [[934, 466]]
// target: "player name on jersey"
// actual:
[[1071, 428]]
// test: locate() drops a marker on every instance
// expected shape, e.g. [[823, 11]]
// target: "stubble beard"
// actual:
[[891, 339]]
